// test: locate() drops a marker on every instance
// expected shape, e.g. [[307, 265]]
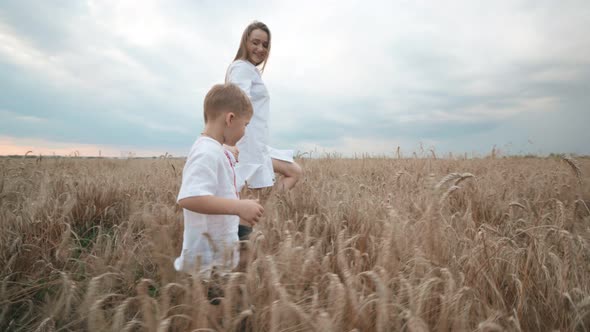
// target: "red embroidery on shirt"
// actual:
[[234, 171]]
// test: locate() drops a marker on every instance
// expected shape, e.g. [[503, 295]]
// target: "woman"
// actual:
[[257, 160]]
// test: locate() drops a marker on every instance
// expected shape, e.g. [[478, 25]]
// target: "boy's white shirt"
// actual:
[[208, 172]]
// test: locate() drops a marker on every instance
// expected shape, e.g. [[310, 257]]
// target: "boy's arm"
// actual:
[[248, 210], [210, 205]]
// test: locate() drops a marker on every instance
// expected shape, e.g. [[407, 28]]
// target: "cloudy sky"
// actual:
[[345, 76]]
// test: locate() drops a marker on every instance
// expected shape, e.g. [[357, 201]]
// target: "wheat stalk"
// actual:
[[516, 204], [447, 193], [97, 321], [573, 164], [121, 312], [414, 324], [448, 178], [382, 302], [148, 305], [47, 325], [336, 301]]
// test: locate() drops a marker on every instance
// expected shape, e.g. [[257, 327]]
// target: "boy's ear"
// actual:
[[229, 116]]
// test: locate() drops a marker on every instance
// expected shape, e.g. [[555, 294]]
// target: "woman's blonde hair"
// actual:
[[243, 50]]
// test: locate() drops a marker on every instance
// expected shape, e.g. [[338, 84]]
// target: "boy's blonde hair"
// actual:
[[226, 97]]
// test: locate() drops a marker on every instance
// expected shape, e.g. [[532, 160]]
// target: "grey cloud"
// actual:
[[82, 119], [411, 87], [48, 23]]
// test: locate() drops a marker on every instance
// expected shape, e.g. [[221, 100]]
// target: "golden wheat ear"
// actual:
[[574, 165]]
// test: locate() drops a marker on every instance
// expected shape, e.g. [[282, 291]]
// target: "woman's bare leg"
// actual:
[[291, 173]]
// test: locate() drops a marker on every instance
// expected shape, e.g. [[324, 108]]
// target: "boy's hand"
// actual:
[[234, 150], [250, 211]]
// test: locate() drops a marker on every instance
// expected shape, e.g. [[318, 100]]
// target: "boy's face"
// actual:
[[235, 127]]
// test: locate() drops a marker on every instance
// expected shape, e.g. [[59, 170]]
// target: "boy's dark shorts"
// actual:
[[244, 232]]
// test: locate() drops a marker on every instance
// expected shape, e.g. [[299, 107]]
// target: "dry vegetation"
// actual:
[[366, 244]]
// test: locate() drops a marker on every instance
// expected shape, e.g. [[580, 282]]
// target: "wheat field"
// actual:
[[365, 244]]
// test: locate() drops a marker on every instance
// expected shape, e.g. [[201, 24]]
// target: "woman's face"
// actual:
[[257, 46]]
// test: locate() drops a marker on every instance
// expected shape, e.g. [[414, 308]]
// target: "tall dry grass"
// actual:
[[366, 245]]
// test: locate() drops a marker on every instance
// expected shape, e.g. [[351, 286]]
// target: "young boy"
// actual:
[[208, 194]]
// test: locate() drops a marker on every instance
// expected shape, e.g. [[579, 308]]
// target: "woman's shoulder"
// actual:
[[243, 65], [242, 62]]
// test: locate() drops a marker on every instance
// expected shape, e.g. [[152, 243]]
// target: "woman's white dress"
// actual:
[[255, 159]]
